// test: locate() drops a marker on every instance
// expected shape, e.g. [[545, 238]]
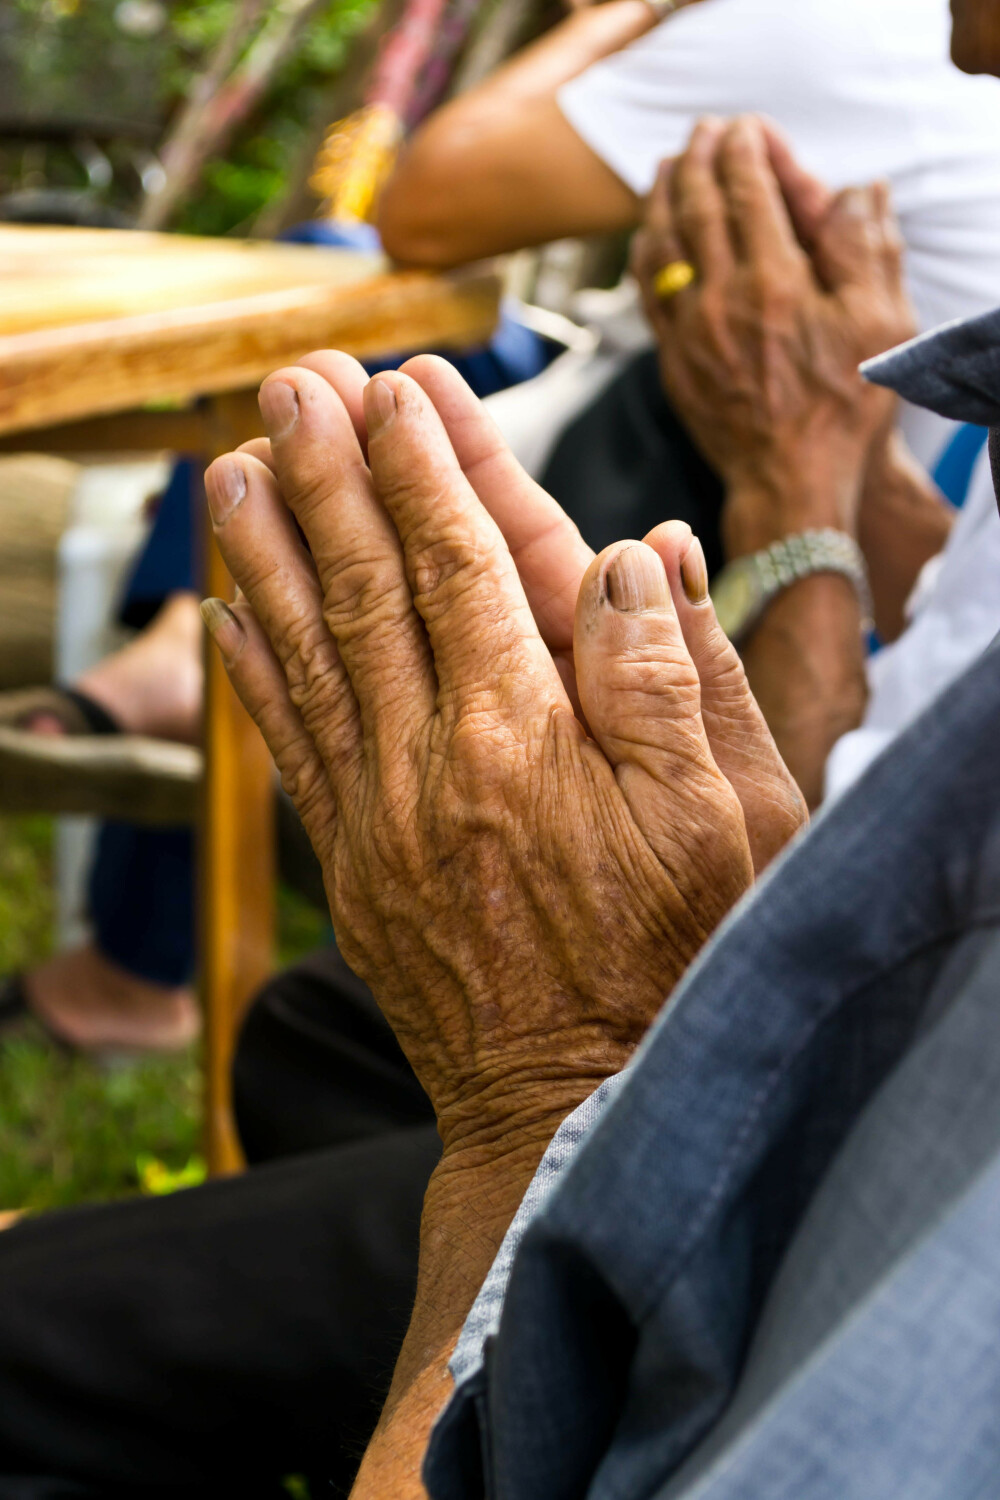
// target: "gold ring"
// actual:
[[671, 279]]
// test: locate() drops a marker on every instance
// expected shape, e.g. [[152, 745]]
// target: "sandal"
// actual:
[[18, 1020], [92, 769], [76, 712]]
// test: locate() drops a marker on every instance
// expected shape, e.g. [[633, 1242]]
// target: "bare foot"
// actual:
[[85, 998], [153, 686]]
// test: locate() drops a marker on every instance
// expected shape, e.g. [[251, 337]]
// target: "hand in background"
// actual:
[[794, 288]]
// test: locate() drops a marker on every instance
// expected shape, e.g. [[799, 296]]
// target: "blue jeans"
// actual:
[[140, 893]]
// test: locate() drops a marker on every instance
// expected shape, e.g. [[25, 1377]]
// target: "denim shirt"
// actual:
[[764, 1260]]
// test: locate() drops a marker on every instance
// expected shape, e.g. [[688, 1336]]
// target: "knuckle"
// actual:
[[311, 671], [360, 592], [695, 216], [770, 289], [479, 744], [713, 312], [743, 198], [303, 781], [662, 682], [446, 567], [310, 481], [396, 847]]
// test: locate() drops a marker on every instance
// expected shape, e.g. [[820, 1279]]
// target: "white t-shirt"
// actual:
[[863, 88], [954, 615]]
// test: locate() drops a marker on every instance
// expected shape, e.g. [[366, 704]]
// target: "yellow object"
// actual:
[[354, 161], [157, 1179], [671, 279]]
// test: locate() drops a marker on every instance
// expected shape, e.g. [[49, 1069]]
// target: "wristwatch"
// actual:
[[744, 588]]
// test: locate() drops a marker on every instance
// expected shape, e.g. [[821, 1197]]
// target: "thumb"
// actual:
[[740, 741], [849, 247], [640, 692], [807, 199]]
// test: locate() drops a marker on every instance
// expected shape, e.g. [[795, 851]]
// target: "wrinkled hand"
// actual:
[[552, 558], [519, 901], [795, 287]]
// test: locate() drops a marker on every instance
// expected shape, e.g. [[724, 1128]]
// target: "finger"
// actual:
[[640, 692], [893, 247], [367, 603], [741, 743], [260, 449], [699, 207], [655, 245], [659, 236], [758, 218], [850, 250], [259, 682], [461, 574], [807, 199], [258, 540], [549, 553], [348, 378]]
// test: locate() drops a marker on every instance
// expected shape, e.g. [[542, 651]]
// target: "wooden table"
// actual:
[[111, 340]]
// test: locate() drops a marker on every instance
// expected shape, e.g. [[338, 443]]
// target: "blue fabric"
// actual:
[[773, 1218], [169, 560], [342, 234], [141, 899], [953, 370], [953, 470]]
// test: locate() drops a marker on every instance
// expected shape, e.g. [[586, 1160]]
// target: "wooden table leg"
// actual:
[[236, 869]]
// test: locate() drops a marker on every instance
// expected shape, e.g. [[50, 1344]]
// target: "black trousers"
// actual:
[[213, 1342], [210, 1343], [626, 463]]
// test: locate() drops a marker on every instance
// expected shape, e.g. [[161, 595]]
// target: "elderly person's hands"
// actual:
[[760, 353], [765, 292], [519, 895], [518, 908]]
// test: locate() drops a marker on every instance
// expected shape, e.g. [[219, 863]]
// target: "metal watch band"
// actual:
[[795, 557]]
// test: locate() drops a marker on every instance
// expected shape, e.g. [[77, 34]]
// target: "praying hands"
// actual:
[[535, 780]]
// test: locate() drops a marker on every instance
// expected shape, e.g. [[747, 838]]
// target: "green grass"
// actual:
[[71, 1131]]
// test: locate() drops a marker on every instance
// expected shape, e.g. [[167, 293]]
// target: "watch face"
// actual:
[[736, 594]]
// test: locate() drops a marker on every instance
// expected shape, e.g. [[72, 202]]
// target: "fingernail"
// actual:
[[635, 581], [705, 134], [279, 406], [380, 404], [694, 573], [225, 489], [856, 203], [224, 628]]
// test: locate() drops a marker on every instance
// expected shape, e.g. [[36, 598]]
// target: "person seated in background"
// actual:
[[729, 1275], [611, 92], [881, 901], [311, 1227], [811, 561], [566, 140]]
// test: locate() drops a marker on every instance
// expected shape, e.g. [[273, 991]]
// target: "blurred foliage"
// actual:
[[72, 1130], [132, 62]]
